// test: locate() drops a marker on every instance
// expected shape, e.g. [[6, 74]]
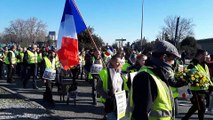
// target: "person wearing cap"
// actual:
[[30, 61], [199, 92], [150, 96]]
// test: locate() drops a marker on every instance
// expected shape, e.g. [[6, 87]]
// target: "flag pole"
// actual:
[[104, 65], [90, 35]]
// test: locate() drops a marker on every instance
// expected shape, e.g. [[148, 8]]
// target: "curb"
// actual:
[[13, 92], [27, 99]]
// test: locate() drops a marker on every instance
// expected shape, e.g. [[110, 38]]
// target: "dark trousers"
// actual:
[[19, 69], [47, 96], [23, 71], [10, 72], [94, 91], [1, 68], [40, 70], [75, 72], [207, 97], [31, 70], [198, 103]]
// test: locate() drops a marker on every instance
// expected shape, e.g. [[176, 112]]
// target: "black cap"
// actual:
[[165, 47]]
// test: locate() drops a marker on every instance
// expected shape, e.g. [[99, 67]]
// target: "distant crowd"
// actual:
[[147, 80]]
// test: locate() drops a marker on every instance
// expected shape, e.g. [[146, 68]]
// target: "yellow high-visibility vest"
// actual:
[[49, 64], [13, 58], [32, 57], [162, 105]]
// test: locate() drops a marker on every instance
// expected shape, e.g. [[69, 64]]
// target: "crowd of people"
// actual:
[[29, 62], [148, 92]]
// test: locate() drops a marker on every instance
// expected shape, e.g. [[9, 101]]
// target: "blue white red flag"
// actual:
[[67, 44]]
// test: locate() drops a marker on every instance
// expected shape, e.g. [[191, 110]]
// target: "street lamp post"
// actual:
[[176, 31], [142, 26]]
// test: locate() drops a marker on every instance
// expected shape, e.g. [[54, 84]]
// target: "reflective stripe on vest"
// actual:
[[32, 57], [204, 71], [162, 105], [161, 113], [49, 64], [13, 58]]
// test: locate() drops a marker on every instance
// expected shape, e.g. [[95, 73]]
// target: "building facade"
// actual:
[[206, 44]]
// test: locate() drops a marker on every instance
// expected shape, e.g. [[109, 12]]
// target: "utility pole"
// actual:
[[176, 31], [120, 42], [142, 26]]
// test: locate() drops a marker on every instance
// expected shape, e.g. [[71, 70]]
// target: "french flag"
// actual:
[[67, 44]]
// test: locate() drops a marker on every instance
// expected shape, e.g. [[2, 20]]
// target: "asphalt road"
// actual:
[[83, 110]]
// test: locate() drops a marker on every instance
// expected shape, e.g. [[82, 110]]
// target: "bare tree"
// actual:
[[16, 31], [185, 28], [25, 31], [35, 30]]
